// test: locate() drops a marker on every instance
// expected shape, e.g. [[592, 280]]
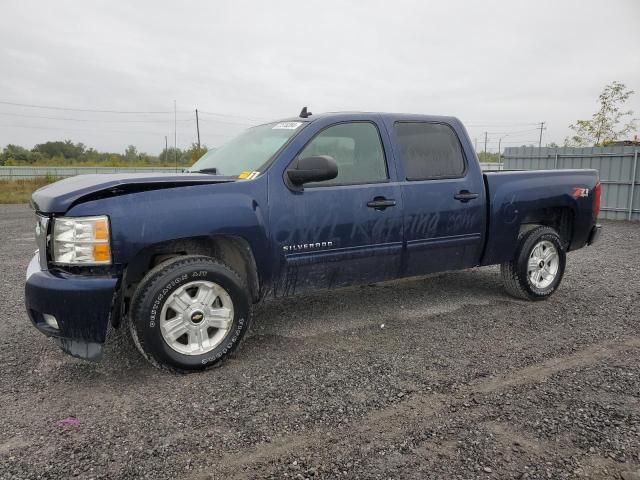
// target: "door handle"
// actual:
[[380, 203], [465, 195]]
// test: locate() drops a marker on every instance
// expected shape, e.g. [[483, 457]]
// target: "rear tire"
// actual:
[[538, 265], [189, 313]]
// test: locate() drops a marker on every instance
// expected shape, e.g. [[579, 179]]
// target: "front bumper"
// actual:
[[81, 305], [594, 234]]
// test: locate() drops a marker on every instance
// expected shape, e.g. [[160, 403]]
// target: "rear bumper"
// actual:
[[594, 234], [81, 305]]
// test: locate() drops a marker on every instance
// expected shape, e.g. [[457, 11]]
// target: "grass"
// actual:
[[19, 191]]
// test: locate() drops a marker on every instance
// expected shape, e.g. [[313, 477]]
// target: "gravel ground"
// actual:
[[441, 377]]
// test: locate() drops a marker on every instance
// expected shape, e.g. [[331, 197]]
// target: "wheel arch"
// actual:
[[561, 219], [233, 250]]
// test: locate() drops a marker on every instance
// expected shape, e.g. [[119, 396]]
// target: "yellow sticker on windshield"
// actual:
[[246, 175]]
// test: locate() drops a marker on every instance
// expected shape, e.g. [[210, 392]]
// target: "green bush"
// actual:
[[67, 154]]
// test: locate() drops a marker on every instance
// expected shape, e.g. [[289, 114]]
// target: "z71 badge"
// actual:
[[580, 192]]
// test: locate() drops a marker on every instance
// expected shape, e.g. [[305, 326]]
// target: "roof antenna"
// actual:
[[304, 113]]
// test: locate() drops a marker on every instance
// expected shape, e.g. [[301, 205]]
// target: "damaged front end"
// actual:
[[71, 308]]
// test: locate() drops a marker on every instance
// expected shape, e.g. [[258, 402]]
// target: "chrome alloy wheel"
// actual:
[[196, 317], [543, 264]]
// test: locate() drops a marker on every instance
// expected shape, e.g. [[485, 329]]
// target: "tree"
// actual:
[[489, 157], [131, 153], [607, 124], [67, 153], [66, 149], [194, 153], [14, 155], [168, 156]]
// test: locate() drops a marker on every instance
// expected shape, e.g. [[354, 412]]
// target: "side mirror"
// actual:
[[312, 169]]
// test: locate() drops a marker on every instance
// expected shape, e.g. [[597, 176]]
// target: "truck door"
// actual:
[[343, 231], [444, 200]]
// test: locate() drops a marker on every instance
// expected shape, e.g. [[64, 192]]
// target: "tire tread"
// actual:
[[514, 283], [511, 280], [149, 281]]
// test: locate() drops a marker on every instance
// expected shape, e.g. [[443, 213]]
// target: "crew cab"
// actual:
[[306, 203]]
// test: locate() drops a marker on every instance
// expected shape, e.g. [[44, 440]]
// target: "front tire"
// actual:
[[538, 266], [190, 313]]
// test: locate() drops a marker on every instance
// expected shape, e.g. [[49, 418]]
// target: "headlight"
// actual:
[[81, 241]]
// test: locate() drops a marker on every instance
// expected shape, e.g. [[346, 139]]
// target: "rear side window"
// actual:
[[429, 150], [357, 149]]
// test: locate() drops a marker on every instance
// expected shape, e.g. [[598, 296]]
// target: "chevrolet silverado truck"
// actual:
[[302, 204]]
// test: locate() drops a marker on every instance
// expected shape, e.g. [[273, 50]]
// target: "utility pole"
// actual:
[[198, 129], [499, 145], [475, 141], [175, 134], [166, 149], [485, 142], [541, 128]]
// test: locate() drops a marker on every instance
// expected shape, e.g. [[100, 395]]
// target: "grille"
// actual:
[[42, 233]]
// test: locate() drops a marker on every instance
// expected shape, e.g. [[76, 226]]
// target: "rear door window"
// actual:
[[429, 151]]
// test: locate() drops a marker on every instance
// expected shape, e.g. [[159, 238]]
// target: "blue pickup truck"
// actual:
[[307, 203]]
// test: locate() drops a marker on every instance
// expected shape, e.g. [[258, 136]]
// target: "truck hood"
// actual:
[[62, 195]]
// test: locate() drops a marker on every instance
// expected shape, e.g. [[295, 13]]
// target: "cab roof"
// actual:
[[384, 115]]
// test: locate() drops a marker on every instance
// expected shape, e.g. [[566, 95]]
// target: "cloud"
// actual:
[[503, 63]]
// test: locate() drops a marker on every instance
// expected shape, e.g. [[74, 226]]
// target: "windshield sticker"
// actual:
[[248, 175], [287, 126]]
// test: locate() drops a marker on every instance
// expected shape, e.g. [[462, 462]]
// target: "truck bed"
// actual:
[[516, 197]]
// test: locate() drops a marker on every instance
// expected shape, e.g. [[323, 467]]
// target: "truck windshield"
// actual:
[[247, 153]]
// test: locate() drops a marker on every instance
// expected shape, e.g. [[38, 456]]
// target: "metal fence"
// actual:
[[25, 173], [617, 166], [491, 166]]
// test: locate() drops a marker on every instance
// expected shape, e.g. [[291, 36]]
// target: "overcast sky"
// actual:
[[501, 66]]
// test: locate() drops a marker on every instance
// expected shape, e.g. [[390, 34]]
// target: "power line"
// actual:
[[47, 107], [124, 112], [225, 122], [231, 116], [65, 129], [532, 141], [76, 129], [511, 132], [87, 120], [224, 115], [471, 124]]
